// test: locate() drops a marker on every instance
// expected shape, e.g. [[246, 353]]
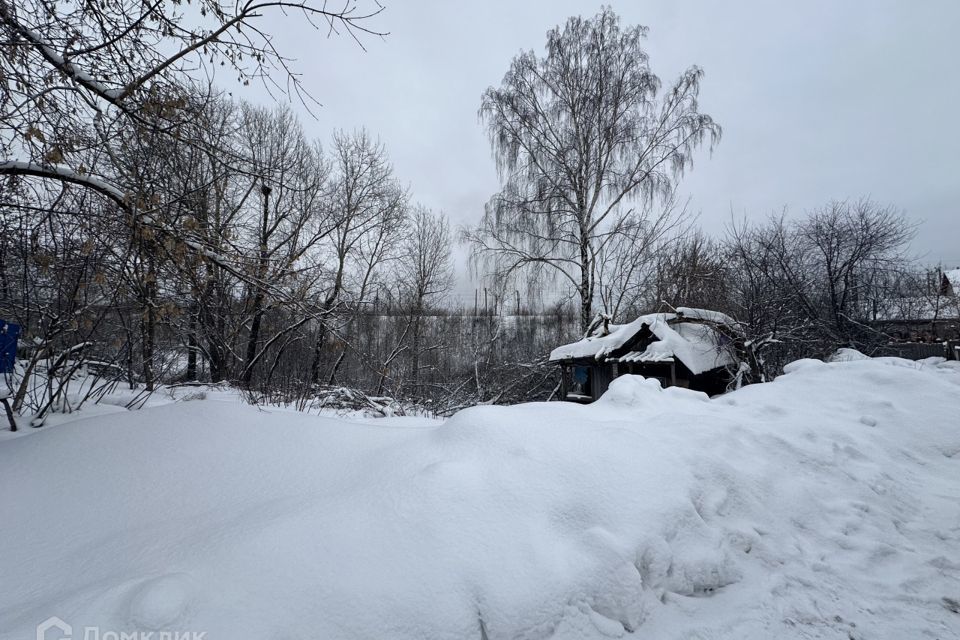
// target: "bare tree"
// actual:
[[808, 286], [60, 273], [289, 220], [850, 248], [367, 205], [578, 134], [628, 264], [426, 272], [75, 74], [692, 272]]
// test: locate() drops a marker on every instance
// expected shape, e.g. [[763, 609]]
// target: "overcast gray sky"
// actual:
[[818, 100]]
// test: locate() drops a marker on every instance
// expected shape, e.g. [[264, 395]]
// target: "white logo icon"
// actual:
[[66, 631]]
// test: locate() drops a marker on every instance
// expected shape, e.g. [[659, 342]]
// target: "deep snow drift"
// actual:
[[823, 505]]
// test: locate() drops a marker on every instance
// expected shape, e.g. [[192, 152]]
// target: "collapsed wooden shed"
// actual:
[[692, 348]]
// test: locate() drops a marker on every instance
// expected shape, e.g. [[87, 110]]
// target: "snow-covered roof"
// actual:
[[915, 309], [682, 336], [690, 313], [953, 277], [598, 346]]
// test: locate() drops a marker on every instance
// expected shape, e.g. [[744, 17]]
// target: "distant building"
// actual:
[[924, 324], [692, 348], [950, 283]]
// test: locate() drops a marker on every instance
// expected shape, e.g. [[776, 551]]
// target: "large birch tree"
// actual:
[[580, 135]]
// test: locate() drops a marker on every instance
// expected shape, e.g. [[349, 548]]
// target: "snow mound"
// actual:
[[822, 505], [637, 391], [847, 355], [160, 603]]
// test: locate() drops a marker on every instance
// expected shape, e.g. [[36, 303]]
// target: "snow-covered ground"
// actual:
[[825, 504]]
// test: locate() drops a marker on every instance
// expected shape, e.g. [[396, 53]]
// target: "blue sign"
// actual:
[[9, 333]]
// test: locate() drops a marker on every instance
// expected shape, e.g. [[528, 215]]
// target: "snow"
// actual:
[[64, 173], [70, 69], [825, 504], [706, 315], [599, 346], [696, 345]]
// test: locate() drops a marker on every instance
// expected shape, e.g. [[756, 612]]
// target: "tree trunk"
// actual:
[[327, 307], [586, 289], [215, 328], [252, 340], [263, 266], [318, 353], [148, 324], [147, 335], [415, 350], [192, 343]]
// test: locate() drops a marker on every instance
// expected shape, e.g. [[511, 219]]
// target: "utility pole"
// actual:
[[258, 298]]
